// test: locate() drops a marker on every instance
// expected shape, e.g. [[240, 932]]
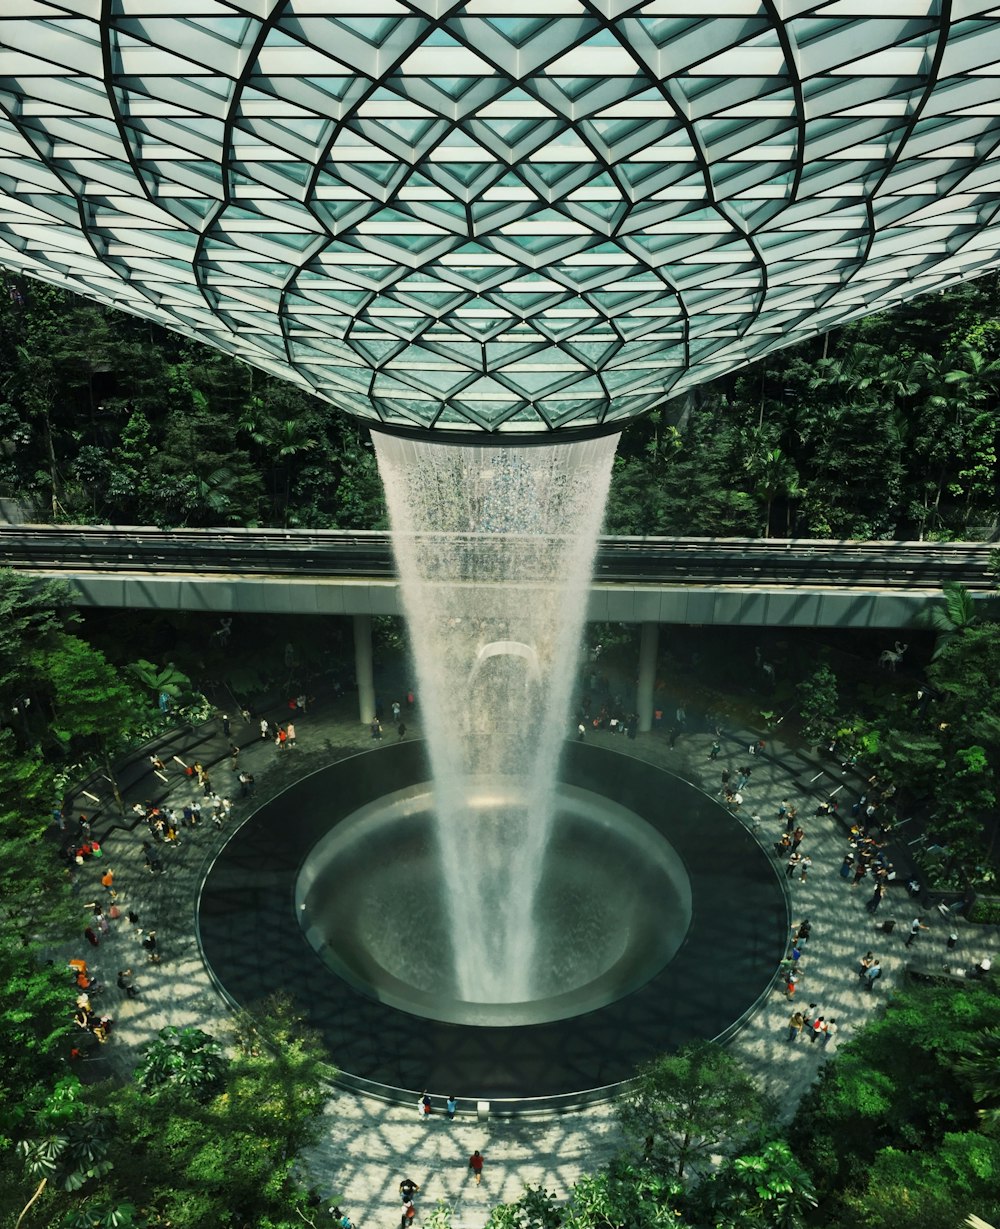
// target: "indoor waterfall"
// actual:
[[494, 546]]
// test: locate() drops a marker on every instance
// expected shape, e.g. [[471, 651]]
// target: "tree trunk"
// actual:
[[119, 800], [53, 474], [27, 1206]]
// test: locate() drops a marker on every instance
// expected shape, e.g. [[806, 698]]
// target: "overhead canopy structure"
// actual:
[[504, 214]]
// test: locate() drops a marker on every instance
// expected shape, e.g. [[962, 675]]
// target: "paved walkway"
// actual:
[[365, 1146]]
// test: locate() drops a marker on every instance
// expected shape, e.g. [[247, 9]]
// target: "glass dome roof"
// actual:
[[499, 215]]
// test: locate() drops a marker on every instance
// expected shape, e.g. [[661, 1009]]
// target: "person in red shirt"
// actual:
[[476, 1165]]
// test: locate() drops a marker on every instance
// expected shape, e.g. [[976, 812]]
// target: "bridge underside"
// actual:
[[649, 603]]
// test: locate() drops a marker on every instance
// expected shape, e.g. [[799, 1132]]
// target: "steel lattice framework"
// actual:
[[502, 214]]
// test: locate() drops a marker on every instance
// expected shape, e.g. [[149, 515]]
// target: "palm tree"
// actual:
[[953, 617], [957, 386], [773, 474], [981, 1066], [282, 439], [291, 436]]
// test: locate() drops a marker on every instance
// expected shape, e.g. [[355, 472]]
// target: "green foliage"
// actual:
[[536, 1209], [895, 1085], [102, 1213], [980, 1065], [225, 1158], [914, 1189], [35, 1025], [818, 701], [953, 616], [76, 1152], [770, 1188], [168, 680], [986, 910], [944, 743], [182, 1058], [88, 697], [439, 1216], [692, 1104], [624, 1194], [772, 474]]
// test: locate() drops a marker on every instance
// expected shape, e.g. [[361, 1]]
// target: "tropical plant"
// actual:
[[686, 1107], [183, 1058], [952, 616], [980, 1065], [768, 1188]]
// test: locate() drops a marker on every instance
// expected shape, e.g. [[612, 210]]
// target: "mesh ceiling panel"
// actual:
[[504, 214]]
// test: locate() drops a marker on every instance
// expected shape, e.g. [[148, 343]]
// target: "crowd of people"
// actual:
[[185, 801]]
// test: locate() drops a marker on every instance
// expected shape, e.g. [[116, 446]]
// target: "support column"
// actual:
[[363, 669], [649, 644]]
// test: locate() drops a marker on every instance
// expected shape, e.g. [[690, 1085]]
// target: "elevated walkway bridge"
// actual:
[[711, 581]]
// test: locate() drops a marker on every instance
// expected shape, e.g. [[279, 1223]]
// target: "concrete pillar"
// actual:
[[363, 669], [649, 643]]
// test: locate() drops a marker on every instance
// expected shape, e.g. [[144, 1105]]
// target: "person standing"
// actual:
[[451, 1105], [125, 983], [916, 926], [290, 734], [476, 1165], [716, 748], [876, 899], [265, 727], [225, 725]]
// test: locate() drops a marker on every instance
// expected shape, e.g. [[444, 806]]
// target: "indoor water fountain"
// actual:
[[494, 547], [502, 909]]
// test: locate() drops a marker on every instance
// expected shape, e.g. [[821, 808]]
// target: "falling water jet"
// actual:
[[494, 546]]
